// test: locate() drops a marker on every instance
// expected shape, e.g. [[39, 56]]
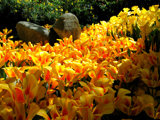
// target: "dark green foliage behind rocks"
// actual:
[[12, 11], [93, 11], [41, 12]]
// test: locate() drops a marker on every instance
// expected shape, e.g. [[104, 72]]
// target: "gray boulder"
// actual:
[[65, 26], [30, 32]]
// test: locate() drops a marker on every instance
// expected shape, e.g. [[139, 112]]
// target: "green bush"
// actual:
[[35, 11], [47, 11], [83, 9]]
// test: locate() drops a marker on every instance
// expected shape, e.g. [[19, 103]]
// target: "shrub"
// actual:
[[35, 11], [43, 12]]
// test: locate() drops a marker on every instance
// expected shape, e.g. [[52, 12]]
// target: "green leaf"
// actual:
[[129, 52]]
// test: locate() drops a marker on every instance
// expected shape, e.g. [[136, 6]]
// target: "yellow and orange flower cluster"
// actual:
[[74, 79]]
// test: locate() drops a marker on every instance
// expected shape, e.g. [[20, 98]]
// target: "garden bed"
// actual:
[[111, 72]]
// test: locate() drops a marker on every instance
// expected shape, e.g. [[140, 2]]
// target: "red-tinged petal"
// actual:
[[68, 77], [10, 80], [10, 117], [105, 55], [54, 83], [64, 111], [2, 62], [19, 95], [100, 73], [157, 115], [47, 76], [150, 111], [84, 85], [6, 87], [20, 111], [27, 90], [78, 71], [98, 91], [86, 100], [34, 108], [105, 99], [148, 105], [158, 109], [41, 93], [123, 103], [92, 74], [31, 95], [53, 111], [86, 113], [30, 84], [10, 72], [63, 118], [43, 113], [37, 74], [19, 117], [6, 113], [136, 110], [104, 108], [6, 58]]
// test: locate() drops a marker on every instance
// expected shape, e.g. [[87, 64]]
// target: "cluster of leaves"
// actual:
[[34, 11], [87, 79], [47, 11], [98, 10], [82, 9]]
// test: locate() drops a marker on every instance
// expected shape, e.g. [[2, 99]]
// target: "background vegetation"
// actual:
[[47, 11]]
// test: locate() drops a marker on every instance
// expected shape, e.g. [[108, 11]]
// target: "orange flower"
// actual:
[[19, 96], [30, 84], [68, 110], [41, 58], [19, 100], [143, 102], [104, 105], [53, 111], [6, 113], [86, 100], [86, 113], [151, 79], [123, 102], [68, 75]]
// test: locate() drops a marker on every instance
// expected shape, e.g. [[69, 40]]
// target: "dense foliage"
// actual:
[[47, 11]]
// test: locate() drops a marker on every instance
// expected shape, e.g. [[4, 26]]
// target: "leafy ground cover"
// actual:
[[111, 72]]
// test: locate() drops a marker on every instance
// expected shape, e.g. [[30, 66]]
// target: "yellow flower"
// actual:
[[154, 8], [91, 7], [41, 58], [28, 19], [123, 102], [136, 10]]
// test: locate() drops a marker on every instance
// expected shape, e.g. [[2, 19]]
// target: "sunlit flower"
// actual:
[[41, 58]]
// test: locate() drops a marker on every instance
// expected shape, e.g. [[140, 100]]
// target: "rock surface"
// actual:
[[30, 32], [65, 26]]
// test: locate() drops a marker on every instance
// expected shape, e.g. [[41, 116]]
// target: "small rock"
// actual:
[[30, 32], [65, 26]]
